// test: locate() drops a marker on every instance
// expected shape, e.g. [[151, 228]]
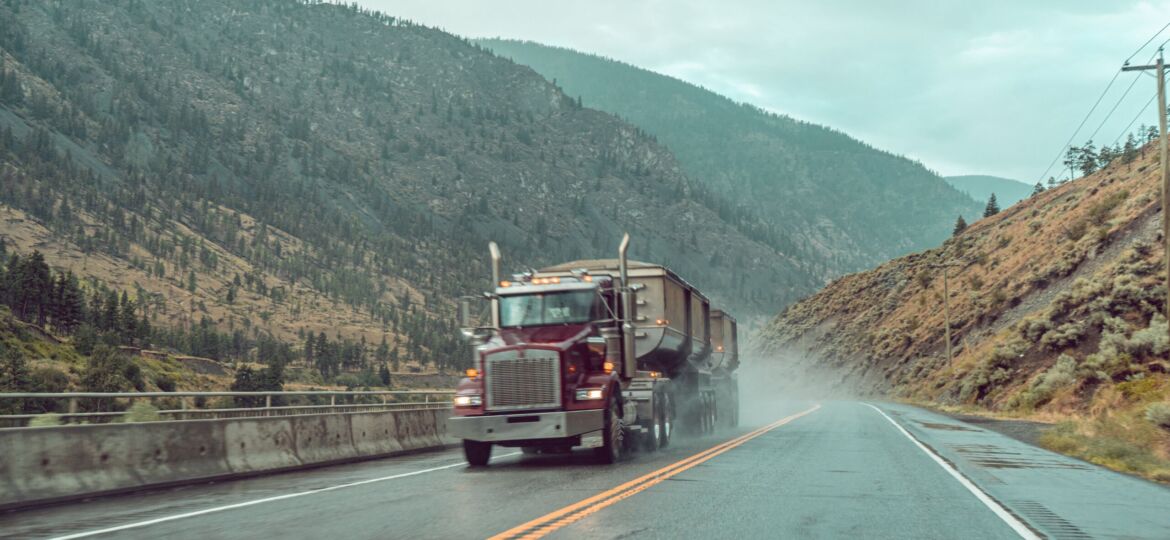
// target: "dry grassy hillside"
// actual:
[[1056, 309]]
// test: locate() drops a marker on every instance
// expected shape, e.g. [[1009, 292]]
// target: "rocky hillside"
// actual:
[[845, 204], [291, 168], [1056, 307]]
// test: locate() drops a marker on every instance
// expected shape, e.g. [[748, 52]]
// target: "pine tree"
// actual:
[[384, 375], [1038, 189], [992, 207], [310, 349], [960, 226]]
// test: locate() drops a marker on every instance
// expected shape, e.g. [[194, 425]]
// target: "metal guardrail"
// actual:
[[390, 400]]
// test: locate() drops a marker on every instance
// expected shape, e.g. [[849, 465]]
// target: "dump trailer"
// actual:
[[609, 354]]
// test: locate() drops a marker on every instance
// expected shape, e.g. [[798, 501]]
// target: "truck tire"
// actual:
[[477, 452], [667, 419], [613, 433], [734, 406], [530, 450], [652, 439]]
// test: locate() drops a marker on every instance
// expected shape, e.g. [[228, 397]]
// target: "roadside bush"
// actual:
[[141, 412], [993, 372], [1151, 341], [1159, 414], [45, 420], [165, 383], [1045, 387]]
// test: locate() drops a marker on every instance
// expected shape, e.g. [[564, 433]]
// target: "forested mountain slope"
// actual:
[[1056, 313], [847, 205], [287, 168]]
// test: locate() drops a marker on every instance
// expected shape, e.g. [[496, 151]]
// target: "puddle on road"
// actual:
[[944, 427], [992, 457]]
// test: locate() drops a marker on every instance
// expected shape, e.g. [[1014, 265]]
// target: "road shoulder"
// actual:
[[1058, 496]]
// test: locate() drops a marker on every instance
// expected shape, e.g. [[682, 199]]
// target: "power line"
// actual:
[[1093, 109], [1135, 119], [1079, 126], [1115, 106], [1139, 49]]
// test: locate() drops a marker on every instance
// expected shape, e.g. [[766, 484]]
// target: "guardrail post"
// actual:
[[268, 401], [72, 406], [183, 407], [332, 400]]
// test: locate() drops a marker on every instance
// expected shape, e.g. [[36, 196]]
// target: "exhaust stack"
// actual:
[[495, 251], [629, 363]]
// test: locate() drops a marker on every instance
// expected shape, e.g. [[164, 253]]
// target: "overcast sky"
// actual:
[[965, 86]]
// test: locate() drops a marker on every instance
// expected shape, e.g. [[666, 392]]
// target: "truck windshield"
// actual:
[[548, 308]]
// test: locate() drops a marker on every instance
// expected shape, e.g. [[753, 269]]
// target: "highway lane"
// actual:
[[843, 470]]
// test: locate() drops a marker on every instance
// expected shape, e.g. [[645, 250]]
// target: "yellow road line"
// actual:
[[552, 521]]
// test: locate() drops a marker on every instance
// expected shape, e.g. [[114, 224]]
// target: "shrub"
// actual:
[[1076, 231], [1044, 387], [165, 383], [1151, 341], [1065, 335], [45, 420], [1159, 414], [1033, 329], [1101, 212], [141, 412]]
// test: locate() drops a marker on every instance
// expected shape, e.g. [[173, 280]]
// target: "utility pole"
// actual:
[[1160, 69], [947, 303]]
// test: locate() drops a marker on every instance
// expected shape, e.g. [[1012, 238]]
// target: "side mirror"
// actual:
[[467, 323]]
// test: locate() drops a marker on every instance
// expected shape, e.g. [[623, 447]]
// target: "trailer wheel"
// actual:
[[735, 406], [477, 452], [667, 419], [652, 439], [613, 433]]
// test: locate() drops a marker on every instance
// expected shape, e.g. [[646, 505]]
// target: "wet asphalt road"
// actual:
[[844, 470]]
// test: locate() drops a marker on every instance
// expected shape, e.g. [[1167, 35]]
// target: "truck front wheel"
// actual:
[[477, 452], [613, 434]]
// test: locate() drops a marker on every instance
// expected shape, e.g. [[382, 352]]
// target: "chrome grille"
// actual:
[[528, 381]]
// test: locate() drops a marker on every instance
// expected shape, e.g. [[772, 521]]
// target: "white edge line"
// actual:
[[260, 501], [1011, 520]]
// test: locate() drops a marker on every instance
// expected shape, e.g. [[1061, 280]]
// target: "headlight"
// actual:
[[589, 394], [468, 401]]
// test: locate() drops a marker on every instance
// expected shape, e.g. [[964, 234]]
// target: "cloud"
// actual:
[[992, 87]]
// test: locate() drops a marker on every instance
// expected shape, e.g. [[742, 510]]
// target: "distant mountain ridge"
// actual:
[[980, 187], [849, 205], [284, 168]]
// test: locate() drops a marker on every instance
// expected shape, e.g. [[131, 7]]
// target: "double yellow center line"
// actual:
[[552, 521]]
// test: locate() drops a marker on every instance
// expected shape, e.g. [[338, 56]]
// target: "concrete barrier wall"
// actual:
[[39, 465]]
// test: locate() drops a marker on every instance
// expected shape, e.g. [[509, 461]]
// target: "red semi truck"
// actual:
[[608, 354]]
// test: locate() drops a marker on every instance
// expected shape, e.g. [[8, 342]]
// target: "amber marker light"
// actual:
[[472, 373], [608, 367]]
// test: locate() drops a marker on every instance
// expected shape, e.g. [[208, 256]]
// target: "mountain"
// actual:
[[296, 169], [1056, 310], [849, 204], [980, 187]]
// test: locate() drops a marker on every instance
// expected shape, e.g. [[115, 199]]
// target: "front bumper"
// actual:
[[525, 426]]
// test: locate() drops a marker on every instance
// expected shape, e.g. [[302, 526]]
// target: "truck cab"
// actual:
[[543, 380]]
